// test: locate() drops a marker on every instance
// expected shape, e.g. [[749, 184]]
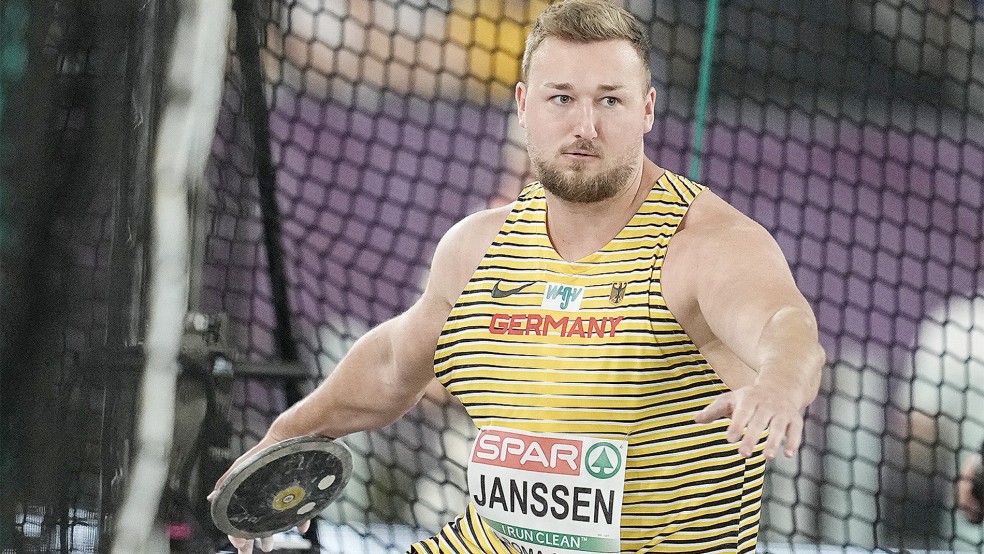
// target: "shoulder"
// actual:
[[712, 224], [461, 250], [717, 243], [475, 233]]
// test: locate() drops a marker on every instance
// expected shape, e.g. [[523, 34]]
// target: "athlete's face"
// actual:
[[585, 108]]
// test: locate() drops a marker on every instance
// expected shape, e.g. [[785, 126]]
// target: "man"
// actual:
[[581, 338]]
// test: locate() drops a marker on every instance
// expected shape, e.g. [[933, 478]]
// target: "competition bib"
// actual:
[[549, 493]]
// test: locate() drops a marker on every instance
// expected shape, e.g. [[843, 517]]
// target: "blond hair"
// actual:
[[585, 21]]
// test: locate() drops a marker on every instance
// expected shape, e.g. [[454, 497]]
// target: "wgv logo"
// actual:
[[566, 298]]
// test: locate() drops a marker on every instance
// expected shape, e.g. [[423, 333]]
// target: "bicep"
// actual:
[[414, 334], [744, 281], [413, 339]]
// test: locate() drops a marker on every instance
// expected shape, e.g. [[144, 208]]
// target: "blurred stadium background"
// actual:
[[353, 133]]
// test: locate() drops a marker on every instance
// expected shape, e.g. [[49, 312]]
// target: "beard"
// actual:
[[575, 185]]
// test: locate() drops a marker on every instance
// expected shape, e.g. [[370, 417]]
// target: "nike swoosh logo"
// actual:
[[502, 293]]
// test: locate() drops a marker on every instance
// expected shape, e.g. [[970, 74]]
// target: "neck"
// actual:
[[578, 230]]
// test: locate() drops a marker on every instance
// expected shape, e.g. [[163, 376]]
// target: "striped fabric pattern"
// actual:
[[541, 344]]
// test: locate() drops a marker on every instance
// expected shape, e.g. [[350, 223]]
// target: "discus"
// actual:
[[281, 486]]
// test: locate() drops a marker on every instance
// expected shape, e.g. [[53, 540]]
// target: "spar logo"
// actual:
[[561, 456], [603, 460], [540, 454]]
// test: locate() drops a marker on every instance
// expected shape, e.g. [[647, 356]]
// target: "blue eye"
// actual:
[[610, 101], [562, 99]]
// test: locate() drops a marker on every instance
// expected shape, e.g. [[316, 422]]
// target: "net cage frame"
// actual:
[[850, 130]]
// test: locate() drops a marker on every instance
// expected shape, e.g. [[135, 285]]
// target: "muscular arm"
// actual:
[[749, 301], [381, 377], [731, 289], [385, 372]]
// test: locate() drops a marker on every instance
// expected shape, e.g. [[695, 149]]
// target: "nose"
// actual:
[[586, 125]]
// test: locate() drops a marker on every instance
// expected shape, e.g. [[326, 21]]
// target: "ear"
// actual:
[[650, 109], [521, 103]]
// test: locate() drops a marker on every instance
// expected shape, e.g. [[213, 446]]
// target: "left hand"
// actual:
[[754, 409]]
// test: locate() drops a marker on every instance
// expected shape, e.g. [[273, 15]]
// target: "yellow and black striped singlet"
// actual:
[[618, 367]]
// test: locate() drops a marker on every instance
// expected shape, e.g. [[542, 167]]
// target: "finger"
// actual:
[[220, 480], [266, 544], [740, 416], [303, 526], [753, 433], [778, 428], [720, 407], [243, 546], [794, 436]]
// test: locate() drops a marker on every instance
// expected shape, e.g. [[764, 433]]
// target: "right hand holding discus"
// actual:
[[276, 486]]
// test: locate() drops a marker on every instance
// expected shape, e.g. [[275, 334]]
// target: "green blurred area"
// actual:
[[13, 63]]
